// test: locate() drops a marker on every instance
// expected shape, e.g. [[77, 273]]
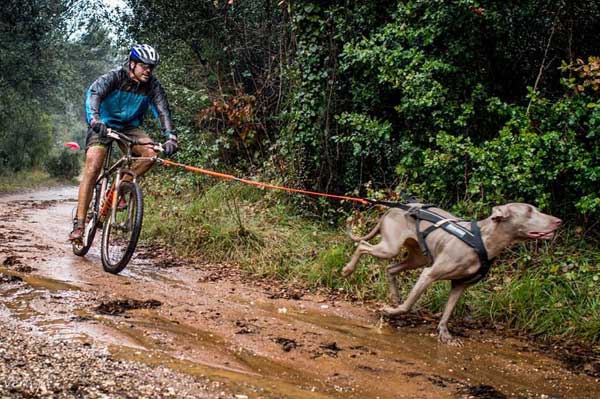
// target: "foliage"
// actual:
[[358, 96], [65, 164], [44, 71], [470, 132], [588, 73], [548, 158], [27, 180], [221, 52], [317, 152]]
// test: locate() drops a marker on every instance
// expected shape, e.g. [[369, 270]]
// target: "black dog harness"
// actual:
[[470, 237]]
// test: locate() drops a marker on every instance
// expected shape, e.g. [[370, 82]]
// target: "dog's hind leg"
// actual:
[[363, 248], [383, 250], [444, 335], [390, 273]]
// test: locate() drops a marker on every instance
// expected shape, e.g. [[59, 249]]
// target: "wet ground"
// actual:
[[172, 327]]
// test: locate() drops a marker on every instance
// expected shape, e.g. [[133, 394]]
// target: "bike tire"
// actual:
[[81, 249], [115, 258]]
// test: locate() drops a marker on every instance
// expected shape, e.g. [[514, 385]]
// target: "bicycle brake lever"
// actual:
[[111, 134]]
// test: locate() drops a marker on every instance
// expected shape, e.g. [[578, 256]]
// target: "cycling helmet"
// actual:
[[144, 53]]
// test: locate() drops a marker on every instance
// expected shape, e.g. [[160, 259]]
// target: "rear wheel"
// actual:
[[120, 237], [80, 248]]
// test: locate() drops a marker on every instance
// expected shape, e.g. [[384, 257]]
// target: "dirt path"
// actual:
[[172, 327]]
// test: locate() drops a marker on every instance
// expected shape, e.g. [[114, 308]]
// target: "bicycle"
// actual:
[[119, 212]]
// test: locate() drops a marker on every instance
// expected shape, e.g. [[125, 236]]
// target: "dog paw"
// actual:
[[346, 271], [447, 339], [389, 311]]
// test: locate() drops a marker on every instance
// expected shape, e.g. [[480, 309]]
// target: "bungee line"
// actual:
[[194, 169]]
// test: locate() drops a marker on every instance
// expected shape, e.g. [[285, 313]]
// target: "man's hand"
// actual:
[[170, 146], [99, 127]]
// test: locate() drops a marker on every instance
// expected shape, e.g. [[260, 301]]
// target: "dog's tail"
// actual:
[[370, 235]]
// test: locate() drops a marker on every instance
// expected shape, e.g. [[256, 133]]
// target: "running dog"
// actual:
[[452, 259]]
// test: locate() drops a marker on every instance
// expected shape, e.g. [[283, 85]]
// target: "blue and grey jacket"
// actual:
[[121, 102]]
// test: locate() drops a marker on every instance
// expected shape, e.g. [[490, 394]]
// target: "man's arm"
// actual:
[[98, 91], [160, 107]]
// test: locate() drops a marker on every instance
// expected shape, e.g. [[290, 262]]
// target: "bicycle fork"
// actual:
[[111, 202]]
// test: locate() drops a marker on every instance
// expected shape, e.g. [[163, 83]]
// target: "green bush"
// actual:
[[548, 158], [64, 164]]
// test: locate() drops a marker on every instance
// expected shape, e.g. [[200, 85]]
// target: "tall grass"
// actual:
[[27, 180], [548, 289]]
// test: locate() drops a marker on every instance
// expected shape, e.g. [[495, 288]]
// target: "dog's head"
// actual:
[[525, 221]]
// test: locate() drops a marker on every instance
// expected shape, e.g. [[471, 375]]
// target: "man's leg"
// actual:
[[94, 158], [141, 167]]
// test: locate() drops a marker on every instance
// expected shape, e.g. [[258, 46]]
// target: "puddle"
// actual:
[[493, 363], [202, 353]]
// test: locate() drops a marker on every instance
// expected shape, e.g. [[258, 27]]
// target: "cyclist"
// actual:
[[119, 100]]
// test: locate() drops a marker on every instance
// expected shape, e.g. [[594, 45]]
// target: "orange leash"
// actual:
[[264, 185]]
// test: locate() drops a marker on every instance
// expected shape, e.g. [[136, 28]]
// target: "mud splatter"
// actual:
[[370, 369], [482, 392], [8, 279], [246, 327], [120, 306], [286, 293], [24, 269], [11, 261], [287, 344], [330, 348]]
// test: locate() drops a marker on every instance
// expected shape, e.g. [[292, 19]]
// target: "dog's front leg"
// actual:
[[444, 335]]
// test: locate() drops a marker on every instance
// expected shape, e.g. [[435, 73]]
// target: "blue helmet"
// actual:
[[144, 53]]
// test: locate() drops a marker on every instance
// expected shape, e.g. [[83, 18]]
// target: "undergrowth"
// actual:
[[548, 289], [27, 180]]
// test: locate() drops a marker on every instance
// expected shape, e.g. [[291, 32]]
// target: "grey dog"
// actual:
[[452, 258]]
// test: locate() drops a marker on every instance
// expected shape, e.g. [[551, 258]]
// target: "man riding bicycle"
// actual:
[[119, 100]]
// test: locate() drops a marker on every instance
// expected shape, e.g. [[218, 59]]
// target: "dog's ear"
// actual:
[[500, 213]]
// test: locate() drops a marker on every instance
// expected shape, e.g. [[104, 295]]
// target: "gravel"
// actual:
[[36, 366]]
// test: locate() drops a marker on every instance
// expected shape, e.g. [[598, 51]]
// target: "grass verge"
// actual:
[[28, 180], [548, 289]]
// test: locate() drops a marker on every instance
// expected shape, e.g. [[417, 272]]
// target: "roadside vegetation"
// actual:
[[50, 51], [30, 180]]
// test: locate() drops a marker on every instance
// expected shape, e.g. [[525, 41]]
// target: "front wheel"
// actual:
[[120, 234]]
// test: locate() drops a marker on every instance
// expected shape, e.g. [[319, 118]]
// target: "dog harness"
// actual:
[[471, 237]]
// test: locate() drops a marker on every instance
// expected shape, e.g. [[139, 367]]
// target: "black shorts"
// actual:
[[94, 139]]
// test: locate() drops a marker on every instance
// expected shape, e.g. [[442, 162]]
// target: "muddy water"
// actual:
[[212, 321]]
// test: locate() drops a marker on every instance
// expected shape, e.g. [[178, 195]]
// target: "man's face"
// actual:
[[141, 72]]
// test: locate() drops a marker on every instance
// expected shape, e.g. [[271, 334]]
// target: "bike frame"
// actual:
[[107, 188], [122, 167]]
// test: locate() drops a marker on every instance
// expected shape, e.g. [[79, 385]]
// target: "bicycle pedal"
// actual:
[[76, 241]]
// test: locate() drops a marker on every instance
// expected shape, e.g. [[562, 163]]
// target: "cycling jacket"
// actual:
[[121, 102]]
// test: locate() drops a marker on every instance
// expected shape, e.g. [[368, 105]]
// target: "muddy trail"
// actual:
[[172, 327]]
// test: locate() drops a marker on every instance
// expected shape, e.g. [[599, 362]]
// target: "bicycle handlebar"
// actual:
[[113, 134]]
